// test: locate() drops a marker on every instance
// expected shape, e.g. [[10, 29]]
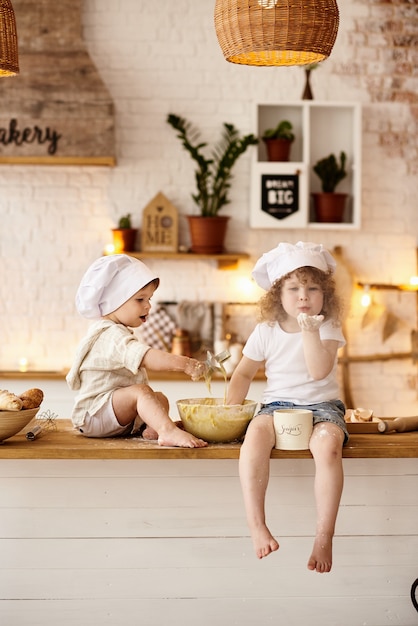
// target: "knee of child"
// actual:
[[261, 427], [326, 442], [142, 390], [162, 399]]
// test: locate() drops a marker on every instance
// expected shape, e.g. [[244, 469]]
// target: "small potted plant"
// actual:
[[124, 235], [278, 141], [330, 206], [213, 177]]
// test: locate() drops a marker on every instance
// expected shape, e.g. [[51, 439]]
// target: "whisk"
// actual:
[[213, 363]]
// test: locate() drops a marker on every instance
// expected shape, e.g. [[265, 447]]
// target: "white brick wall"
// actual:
[[163, 57]]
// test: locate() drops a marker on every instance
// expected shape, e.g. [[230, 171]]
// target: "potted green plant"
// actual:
[[213, 177], [124, 235], [329, 205], [278, 141]]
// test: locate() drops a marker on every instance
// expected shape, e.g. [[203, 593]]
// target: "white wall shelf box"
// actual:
[[320, 128]]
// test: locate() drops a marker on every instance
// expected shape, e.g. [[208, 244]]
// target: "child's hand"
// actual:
[[195, 369], [309, 322]]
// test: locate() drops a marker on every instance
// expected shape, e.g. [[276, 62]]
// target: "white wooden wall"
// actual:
[[161, 542]]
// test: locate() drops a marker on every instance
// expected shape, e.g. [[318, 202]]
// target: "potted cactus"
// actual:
[[278, 141], [124, 235], [329, 205]]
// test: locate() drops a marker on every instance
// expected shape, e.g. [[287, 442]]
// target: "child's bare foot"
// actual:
[[149, 434], [180, 438], [321, 557], [263, 541]]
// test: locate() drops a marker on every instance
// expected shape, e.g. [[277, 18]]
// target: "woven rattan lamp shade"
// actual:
[[276, 32], [9, 62]]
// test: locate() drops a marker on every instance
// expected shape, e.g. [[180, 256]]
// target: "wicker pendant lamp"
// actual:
[[276, 32], [9, 63]]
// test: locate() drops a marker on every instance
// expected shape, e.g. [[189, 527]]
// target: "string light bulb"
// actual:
[[366, 298]]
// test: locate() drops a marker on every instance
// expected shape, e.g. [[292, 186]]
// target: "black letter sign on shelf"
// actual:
[[280, 194]]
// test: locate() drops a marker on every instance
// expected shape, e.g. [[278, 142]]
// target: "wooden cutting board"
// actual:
[[361, 428]]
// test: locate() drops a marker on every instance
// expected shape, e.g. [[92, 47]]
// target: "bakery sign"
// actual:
[[280, 194], [57, 110], [16, 136]]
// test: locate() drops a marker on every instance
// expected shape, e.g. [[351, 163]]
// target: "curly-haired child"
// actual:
[[297, 340]]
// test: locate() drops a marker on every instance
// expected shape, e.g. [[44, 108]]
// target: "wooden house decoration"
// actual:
[[159, 231]]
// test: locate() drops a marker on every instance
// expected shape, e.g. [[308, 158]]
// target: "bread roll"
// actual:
[[9, 402], [32, 398]]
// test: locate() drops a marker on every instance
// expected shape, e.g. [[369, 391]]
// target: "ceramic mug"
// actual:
[[293, 428]]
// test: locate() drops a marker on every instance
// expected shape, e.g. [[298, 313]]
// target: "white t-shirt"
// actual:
[[287, 376]]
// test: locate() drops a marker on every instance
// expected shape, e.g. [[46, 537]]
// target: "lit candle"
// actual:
[[23, 364], [109, 249]]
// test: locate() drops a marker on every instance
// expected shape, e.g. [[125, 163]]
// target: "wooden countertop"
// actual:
[[67, 443]]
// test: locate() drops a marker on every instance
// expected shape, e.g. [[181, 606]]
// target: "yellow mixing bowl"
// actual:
[[216, 422]]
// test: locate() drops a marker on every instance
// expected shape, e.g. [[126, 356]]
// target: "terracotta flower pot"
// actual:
[[329, 207], [207, 234], [124, 239], [278, 149]]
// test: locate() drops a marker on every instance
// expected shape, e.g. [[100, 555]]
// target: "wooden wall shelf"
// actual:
[[226, 261], [60, 375], [109, 161], [387, 287]]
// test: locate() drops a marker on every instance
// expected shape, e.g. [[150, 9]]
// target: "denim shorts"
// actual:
[[332, 411]]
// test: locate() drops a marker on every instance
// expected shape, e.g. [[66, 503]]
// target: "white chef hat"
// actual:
[[109, 282], [287, 257]]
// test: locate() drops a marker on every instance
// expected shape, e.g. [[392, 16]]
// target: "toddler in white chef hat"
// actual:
[[296, 341], [109, 370], [109, 282]]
